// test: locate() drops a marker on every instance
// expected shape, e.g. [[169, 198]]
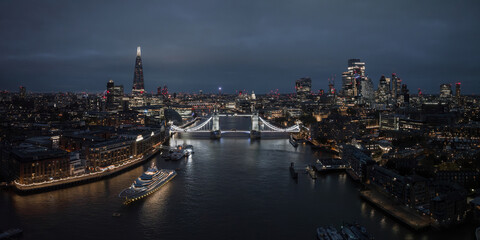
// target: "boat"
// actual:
[[355, 231], [186, 149], [333, 233], [293, 142], [311, 172], [322, 234], [328, 233], [149, 182], [189, 148], [175, 156], [293, 173]]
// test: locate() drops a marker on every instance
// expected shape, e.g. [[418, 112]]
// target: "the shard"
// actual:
[[138, 86]]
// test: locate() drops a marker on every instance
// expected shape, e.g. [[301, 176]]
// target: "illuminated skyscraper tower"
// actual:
[[138, 86], [457, 90], [351, 80]]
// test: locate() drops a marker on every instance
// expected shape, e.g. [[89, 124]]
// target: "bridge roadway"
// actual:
[[235, 115], [233, 131], [214, 119]]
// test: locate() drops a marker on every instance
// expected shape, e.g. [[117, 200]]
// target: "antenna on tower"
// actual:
[[139, 51]]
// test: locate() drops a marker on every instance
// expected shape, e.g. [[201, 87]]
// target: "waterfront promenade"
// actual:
[[88, 177], [399, 212]]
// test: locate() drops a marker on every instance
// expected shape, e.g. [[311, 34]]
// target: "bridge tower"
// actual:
[[216, 132], [255, 132]]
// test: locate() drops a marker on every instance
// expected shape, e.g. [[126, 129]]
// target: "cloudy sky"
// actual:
[[249, 44]]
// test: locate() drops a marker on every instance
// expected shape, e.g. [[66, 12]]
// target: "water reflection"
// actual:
[[233, 187]]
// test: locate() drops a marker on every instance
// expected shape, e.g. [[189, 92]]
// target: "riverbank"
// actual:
[[406, 216], [85, 178]]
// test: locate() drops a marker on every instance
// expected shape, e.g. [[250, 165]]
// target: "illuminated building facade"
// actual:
[[383, 92], [138, 85], [366, 89], [33, 164], [445, 90], [114, 96], [353, 78], [303, 86]]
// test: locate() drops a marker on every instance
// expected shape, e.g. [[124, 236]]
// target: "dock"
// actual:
[[397, 211], [330, 164]]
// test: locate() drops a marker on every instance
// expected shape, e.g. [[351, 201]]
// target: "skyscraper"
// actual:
[[303, 86], [383, 92], [114, 96], [23, 92], [351, 80], [457, 90], [405, 95], [366, 89], [396, 86], [138, 86], [445, 90], [355, 83]]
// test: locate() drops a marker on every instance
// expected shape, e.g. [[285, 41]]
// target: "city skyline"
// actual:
[[237, 46]]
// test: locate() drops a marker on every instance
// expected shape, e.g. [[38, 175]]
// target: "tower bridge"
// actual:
[[212, 125]]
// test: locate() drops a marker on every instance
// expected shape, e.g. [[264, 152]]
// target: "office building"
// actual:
[[114, 96], [303, 86], [445, 90]]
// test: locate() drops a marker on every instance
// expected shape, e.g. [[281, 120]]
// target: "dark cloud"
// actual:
[[254, 45]]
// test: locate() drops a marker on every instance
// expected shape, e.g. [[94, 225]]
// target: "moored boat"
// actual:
[[293, 141]]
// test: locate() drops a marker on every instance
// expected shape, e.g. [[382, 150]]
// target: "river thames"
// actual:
[[232, 188]]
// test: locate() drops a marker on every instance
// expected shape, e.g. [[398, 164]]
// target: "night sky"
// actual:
[[256, 45]]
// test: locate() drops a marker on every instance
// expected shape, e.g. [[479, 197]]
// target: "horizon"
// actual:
[[62, 46]]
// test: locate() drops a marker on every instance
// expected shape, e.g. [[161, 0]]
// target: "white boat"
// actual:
[[149, 182]]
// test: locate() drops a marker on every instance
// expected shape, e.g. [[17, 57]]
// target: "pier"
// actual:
[[330, 164]]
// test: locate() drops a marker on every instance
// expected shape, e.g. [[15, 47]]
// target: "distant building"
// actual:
[[138, 85], [303, 86], [383, 92], [114, 96], [396, 87], [446, 90], [366, 90], [355, 83], [352, 78], [457, 90], [405, 95], [22, 92]]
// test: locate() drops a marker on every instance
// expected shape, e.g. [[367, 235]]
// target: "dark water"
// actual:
[[233, 188]]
